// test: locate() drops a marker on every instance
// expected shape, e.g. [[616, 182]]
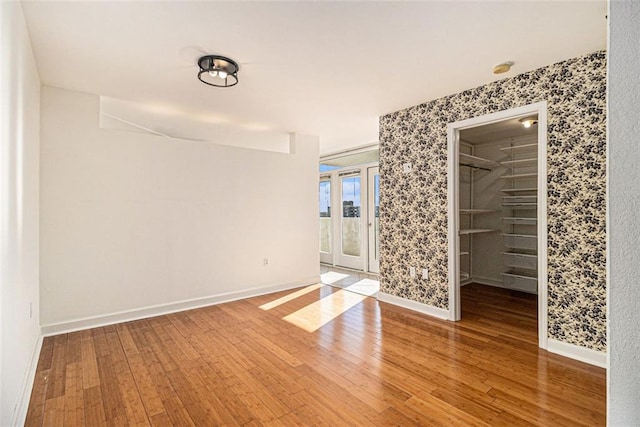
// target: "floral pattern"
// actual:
[[413, 207]]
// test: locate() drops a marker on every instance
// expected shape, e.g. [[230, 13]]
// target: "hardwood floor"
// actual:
[[375, 364]]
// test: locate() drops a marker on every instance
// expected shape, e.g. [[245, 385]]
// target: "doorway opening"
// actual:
[[497, 215], [349, 195]]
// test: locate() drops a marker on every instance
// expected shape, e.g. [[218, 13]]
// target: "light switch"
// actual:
[[412, 271], [407, 167], [425, 274]]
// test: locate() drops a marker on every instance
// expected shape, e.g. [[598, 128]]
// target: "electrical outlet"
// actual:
[[407, 167], [265, 262], [425, 274], [412, 271]]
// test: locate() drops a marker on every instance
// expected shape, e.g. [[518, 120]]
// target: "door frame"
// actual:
[[372, 262], [327, 257], [336, 196], [453, 178]]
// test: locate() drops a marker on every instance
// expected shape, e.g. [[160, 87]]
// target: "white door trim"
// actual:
[[327, 257], [453, 149], [373, 262]]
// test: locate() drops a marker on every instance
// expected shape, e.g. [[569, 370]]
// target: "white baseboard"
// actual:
[[487, 281], [430, 310], [20, 414], [592, 357], [497, 284], [173, 307]]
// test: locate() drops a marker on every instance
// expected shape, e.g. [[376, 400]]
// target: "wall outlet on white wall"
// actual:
[[425, 274], [412, 271], [265, 261]]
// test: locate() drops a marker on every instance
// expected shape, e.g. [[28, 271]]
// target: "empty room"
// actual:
[[319, 213]]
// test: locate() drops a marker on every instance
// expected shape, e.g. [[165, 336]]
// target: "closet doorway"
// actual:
[[497, 207]]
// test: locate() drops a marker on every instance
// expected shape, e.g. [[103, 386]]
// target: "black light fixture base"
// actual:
[[218, 71]]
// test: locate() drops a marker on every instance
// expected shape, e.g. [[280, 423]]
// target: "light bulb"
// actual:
[[222, 74], [213, 73], [527, 123]]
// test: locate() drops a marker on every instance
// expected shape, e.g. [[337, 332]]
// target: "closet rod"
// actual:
[[475, 167]]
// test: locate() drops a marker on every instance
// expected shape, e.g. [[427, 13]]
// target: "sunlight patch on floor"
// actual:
[[331, 277], [291, 296], [319, 313], [368, 287]]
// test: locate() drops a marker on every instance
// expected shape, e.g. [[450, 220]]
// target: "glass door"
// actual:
[[373, 189], [350, 226], [326, 253]]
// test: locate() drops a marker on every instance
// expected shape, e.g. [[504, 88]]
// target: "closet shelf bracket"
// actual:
[[475, 167]]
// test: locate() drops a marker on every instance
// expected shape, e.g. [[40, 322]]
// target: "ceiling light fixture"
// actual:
[[502, 68], [219, 71], [528, 122]]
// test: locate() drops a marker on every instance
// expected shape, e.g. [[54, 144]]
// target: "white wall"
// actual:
[[132, 220], [19, 154], [624, 207]]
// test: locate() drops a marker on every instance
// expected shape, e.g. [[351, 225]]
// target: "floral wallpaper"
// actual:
[[413, 207]]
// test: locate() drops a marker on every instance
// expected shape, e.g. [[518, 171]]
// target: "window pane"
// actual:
[[327, 168], [351, 216]]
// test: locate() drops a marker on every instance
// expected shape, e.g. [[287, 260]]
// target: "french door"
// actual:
[[349, 201], [349, 252]]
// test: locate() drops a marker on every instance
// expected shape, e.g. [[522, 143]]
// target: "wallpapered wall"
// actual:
[[413, 207]]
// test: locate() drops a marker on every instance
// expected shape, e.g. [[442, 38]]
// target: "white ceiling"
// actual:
[[320, 68]]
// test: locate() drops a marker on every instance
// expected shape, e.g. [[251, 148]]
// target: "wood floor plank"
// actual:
[[94, 407], [58, 368], [198, 411], [347, 406], [393, 417], [54, 412], [46, 354], [74, 397], [212, 390], [374, 364], [114, 407], [128, 389], [126, 339], [145, 385], [35, 413], [158, 376], [160, 420], [221, 382], [273, 348], [73, 351], [159, 350], [177, 413], [443, 411], [258, 394], [529, 412], [583, 408]]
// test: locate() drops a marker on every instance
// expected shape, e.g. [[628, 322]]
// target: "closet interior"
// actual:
[[498, 205]]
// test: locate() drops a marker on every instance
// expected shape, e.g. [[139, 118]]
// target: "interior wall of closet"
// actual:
[[498, 206]]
